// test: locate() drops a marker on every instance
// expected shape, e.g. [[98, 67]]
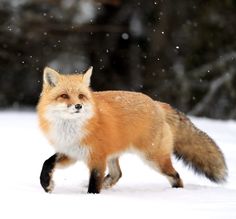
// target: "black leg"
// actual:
[[95, 181], [46, 173]]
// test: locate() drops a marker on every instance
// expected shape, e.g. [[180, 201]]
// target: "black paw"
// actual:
[[94, 182], [46, 182]]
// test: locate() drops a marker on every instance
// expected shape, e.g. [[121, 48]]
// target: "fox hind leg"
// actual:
[[172, 175], [114, 173], [164, 165]]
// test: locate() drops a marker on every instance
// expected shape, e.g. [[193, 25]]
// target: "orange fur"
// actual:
[[120, 121]]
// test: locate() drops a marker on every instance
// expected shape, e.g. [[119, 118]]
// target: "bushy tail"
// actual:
[[195, 147]]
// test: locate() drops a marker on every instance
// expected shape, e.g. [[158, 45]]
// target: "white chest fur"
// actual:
[[66, 136]]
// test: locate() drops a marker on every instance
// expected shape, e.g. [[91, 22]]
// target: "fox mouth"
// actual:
[[74, 112], [77, 111]]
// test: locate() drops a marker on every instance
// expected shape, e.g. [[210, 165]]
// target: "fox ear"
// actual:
[[50, 76], [87, 76]]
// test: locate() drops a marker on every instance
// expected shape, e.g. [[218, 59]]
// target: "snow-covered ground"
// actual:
[[141, 192]]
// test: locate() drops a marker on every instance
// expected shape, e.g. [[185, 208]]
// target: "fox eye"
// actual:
[[81, 96], [64, 96]]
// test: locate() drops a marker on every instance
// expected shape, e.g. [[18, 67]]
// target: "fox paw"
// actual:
[[50, 187], [108, 182]]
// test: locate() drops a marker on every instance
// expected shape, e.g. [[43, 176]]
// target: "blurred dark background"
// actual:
[[181, 52]]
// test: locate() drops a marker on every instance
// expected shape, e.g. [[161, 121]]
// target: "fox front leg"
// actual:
[[57, 160], [46, 173], [97, 173]]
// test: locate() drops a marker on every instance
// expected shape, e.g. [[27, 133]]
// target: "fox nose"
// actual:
[[78, 106]]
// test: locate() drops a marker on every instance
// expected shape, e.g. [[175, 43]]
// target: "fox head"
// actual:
[[66, 96]]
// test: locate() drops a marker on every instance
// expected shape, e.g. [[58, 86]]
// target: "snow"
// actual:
[[141, 192]]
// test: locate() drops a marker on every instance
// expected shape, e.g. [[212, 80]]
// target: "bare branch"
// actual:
[[110, 2], [214, 87], [219, 63]]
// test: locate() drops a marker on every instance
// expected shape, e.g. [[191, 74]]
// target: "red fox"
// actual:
[[98, 127]]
